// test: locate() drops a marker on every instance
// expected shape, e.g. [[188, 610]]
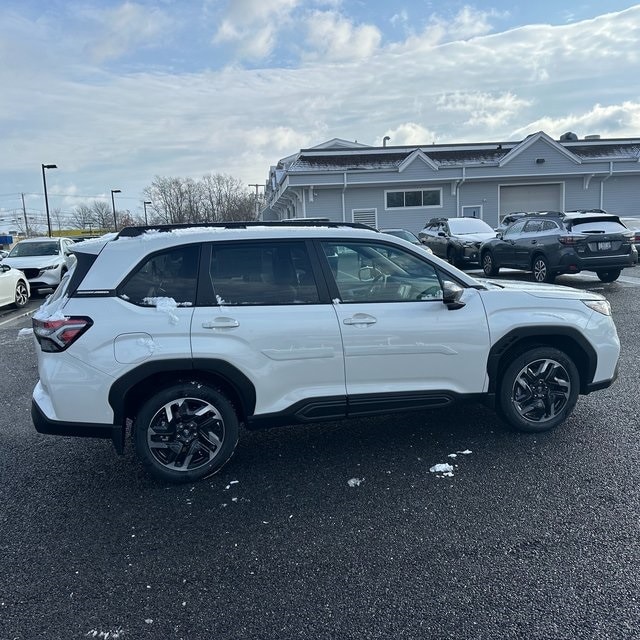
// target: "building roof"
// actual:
[[360, 157]]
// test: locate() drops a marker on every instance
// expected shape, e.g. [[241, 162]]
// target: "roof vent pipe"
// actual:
[[384, 140]]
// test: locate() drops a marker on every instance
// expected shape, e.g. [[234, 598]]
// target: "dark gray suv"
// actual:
[[552, 243]]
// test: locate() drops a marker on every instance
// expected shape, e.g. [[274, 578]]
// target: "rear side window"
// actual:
[[262, 273], [170, 274]]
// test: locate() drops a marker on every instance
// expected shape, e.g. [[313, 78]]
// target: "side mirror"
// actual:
[[451, 294], [499, 235], [366, 274], [4, 268]]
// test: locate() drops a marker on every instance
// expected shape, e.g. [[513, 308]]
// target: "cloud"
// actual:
[[409, 133], [607, 121], [334, 37], [126, 28], [483, 109], [252, 26]]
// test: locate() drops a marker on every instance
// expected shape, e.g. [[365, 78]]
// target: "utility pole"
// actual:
[[257, 186], [26, 222]]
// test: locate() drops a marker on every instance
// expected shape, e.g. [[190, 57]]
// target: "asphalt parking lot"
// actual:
[[332, 531]]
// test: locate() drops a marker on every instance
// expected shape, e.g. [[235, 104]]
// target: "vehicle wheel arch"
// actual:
[[131, 391], [565, 339]]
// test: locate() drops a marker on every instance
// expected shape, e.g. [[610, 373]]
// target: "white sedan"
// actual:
[[14, 287]]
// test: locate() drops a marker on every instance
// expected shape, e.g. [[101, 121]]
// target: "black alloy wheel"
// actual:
[[609, 275], [538, 390], [541, 271], [186, 432], [488, 265]]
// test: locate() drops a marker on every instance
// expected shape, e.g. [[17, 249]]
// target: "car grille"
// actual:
[[31, 273]]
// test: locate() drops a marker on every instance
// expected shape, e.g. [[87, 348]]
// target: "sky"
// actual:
[[115, 93]]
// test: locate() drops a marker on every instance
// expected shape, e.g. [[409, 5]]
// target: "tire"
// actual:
[[538, 390], [541, 272], [610, 275], [488, 265], [186, 432], [21, 295]]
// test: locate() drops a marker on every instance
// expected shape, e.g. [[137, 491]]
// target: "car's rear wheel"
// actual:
[[541, 271], [538, 390], [488, 265], [21, 296], [186, 432], [610, 275]]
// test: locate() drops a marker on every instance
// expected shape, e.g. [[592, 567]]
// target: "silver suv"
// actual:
[[184, 334]]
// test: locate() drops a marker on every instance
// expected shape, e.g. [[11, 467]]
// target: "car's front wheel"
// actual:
[[541, 271], [452, 257], [21, 296], [488, 265], [610, 275], [186, 432], [538, 390]]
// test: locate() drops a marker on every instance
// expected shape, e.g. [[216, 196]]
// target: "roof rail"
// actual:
[[132, 232]]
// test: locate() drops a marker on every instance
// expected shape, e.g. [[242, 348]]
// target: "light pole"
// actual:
[[46, 198], [113, 206], [145, 203]]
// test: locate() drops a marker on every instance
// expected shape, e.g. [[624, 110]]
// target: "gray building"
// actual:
[[404, 186]]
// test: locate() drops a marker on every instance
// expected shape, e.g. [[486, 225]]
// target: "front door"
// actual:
[[398, 336]]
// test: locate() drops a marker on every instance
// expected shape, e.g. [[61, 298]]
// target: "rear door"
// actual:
[[262, 309]]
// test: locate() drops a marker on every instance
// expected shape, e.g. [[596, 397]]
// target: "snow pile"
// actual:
[[355, 482]]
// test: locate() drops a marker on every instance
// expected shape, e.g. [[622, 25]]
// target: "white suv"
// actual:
[[43, 260], [186, 333]]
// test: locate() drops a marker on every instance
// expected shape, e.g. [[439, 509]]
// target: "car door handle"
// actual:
[[220, 323], [360, 318], [534, 242]]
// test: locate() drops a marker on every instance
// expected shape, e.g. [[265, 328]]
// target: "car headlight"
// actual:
[[601, 306], [53, 266]]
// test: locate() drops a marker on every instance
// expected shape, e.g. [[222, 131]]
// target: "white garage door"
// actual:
[[535, 197]]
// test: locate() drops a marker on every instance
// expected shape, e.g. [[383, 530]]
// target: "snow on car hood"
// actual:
[[33, 262], [540, 289]]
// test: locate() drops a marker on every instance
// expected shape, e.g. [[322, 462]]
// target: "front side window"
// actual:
[[170, 275], [262, 273], [373, 272], [414, 198]]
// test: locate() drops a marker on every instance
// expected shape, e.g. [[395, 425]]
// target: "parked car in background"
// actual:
[[457, 240], [551, 243], [14, 287], [633, 224], [405, 234], [509, 219], [185, 334], [44, 261]]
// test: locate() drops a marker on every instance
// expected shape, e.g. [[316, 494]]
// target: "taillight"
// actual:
[[571, 240], [57, 335]]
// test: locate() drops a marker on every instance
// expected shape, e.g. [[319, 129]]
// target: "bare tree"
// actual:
[[102, 215], [83, 217], [214, 198]]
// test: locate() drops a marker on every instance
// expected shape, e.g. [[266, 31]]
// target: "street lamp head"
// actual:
[[116, 191], [49, 166], [147, 202]]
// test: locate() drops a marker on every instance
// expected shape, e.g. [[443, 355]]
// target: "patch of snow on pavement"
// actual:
[[355, 482]]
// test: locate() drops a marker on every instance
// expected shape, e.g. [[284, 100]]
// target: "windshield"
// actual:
[[598, 226], [404, 234], [460, 226], [44, 248]]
